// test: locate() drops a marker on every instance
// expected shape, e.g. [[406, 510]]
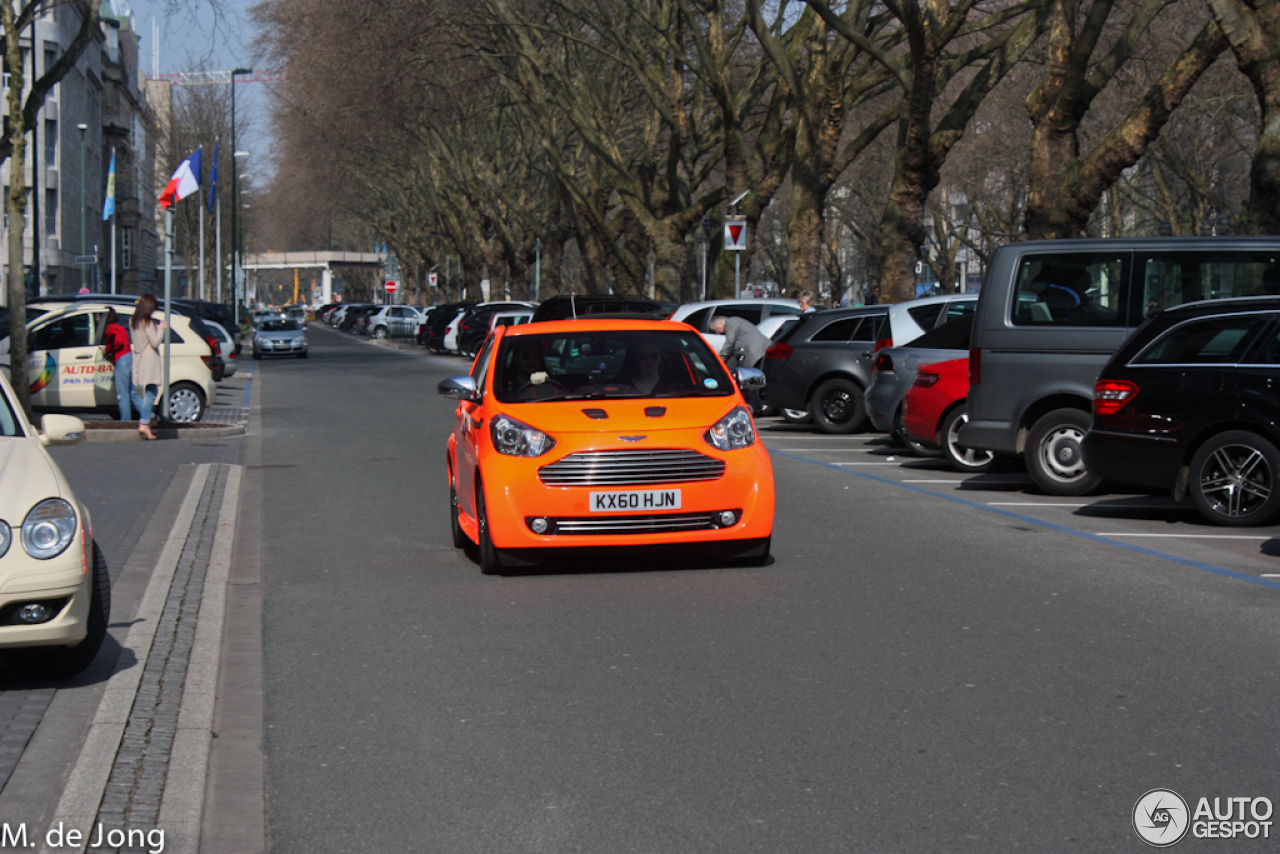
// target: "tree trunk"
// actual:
[[915, 174], [16, 206], [1253, 29]]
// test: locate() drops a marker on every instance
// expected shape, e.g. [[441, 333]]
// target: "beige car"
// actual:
[[69, 371], [55, 592]]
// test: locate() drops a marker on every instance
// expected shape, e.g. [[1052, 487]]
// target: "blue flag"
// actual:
[[213, 176], [109, 206]]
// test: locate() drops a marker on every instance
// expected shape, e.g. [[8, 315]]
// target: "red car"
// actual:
[[934, 410]]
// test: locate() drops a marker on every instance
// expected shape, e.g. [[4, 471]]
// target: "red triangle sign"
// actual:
[[736, 234]]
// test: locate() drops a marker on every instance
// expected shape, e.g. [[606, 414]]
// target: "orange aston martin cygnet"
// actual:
[[592, 433]]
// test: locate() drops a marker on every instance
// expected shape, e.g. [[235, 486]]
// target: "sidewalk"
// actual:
[[225, 416], [117, 759]]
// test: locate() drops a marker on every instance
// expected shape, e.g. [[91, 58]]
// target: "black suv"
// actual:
[[599, 307], [1191, 403]]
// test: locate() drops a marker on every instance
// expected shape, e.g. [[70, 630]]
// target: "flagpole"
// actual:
[[199, 292], [217, 242], [113, 254], [168, 287]]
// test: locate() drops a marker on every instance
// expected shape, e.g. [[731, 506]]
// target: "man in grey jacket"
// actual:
[[743, 344]]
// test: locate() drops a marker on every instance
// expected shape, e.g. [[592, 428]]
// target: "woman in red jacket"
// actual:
[[118, 348]]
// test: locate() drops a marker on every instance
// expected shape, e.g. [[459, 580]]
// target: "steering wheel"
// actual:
[[553, 385]]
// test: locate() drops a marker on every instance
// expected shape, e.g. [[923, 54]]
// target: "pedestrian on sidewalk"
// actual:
[[118, 347], [147, 335]]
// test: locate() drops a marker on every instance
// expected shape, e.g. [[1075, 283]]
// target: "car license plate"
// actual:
[[636, 500]]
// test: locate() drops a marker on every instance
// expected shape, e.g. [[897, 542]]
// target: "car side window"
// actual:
[[784, 309], [481, 369], [1070, 290], [869, 330], [1174, 278], [926, 316], [699, 319], [74, 331], [961, 308], [1206, 341], [751, 313], [839, 330]]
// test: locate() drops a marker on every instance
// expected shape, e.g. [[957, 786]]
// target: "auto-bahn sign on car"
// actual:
[[735, 233]]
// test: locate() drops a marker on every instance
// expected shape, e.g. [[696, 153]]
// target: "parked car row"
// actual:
[[69, 371]]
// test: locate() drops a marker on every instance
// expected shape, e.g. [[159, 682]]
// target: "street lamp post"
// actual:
[[235, 201], [83, 128]]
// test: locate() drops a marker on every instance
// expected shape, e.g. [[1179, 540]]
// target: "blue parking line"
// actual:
[[1194, 564], [248, 388]]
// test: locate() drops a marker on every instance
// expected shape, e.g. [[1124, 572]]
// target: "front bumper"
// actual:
[[517, 497], [62, 579], [280, 348]]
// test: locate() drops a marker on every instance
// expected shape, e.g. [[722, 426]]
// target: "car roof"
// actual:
[[694, 306], [614, 324]]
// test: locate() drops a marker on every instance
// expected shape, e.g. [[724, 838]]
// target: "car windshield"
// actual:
[[286, 325], [608, 365]]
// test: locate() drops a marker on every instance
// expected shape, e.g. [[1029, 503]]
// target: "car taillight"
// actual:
[[881, 344], [1110, 396], [213, 344], [975, 366], [208, 360], [464, 327], [781, 350], [884, 363], [926, 380]]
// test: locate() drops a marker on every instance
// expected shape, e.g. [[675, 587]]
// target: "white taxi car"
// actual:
[[55, 592]]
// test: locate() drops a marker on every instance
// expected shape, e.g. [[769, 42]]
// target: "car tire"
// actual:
[[460, 539], [302, 355], [380, 332], [962, 459], [186, 403], [795, 416], [837, 406], [490, 556], [1053, 455], [64, 661], [1227, 474]]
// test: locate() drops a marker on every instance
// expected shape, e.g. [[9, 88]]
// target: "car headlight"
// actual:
[[733, 431], [6, 537], [299, 342], [516, 439], [49, 528]]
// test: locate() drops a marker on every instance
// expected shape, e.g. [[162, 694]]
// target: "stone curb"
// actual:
[[126, 435]]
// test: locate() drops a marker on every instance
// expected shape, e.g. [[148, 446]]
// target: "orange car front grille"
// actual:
[[634, 524], [631, 468]]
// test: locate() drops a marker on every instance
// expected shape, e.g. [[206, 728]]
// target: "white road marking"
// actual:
[[1191, 536], [1094, 506]]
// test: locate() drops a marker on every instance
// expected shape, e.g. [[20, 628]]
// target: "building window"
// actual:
[[126, 249], [51, 143], [50, 213]]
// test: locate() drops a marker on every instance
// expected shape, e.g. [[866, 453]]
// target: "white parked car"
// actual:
[[699, 314], [225, 344], [54, 585]]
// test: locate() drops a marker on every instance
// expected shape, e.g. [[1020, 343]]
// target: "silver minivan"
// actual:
[[1051, 312]]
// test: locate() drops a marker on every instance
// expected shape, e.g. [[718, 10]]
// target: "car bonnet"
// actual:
[[613, 418], [27, 476]]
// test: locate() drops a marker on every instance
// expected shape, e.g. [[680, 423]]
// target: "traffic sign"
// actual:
[[390, 287], [86, 259], [735, 234], [433, 277]]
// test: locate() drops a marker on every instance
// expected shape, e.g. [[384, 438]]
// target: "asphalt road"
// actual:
[[923, 666]]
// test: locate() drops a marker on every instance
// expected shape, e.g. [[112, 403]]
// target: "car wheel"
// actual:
[[186, 403], [962, 459], [302, 355], [64, 661], [1233, 479], [380, 332], [837, 406], [915, 448], [460, 539], [1054, 458], [489, 556], [795, 416]]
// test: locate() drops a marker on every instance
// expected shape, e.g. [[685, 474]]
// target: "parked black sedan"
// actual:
[[1191, 403]]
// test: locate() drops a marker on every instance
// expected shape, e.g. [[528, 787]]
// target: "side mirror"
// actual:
[[749, 378], [461, 388], [61, 430]]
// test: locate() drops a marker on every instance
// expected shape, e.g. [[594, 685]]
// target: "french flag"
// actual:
[[183, 183]]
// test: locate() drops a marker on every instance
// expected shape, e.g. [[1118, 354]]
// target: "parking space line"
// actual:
[[1192, 536], [865, 464], [1106, 539], [1032, 504], [977, 483]]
